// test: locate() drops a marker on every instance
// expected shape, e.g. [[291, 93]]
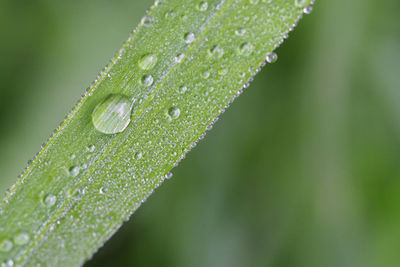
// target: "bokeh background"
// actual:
[[302, 170]]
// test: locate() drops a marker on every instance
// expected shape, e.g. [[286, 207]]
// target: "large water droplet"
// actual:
[[112, 115], [272, 58], [50, 199], [174, 112], [21, 238], [189, 37], [147, 80], [147, 62], [202, 6], [6, 245]]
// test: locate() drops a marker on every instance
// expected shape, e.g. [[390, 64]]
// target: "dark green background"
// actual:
[[302, 170]]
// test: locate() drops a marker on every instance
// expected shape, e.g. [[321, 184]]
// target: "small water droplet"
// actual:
[[202, 6], [21, 238], [147, 21], [174, 112], [103, 190], [169, 175], [179, 58], [246, 48], [308, 9], [205, 74], [182, 89], [147, 80], [138, 155], [189, 37], [91, 148], [216, 51], [147, 62], [112, 115], [74, 171], [6, 245], [240, 32], [272, 58], [50, 199]]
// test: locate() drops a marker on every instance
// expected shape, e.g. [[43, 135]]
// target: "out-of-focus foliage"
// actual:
[[302, 170]]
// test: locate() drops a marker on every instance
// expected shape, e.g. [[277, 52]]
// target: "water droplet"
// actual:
[[272, 58], [246, 48], [182, 89], [169, 175], [216, 51], [74, 171], [8, 263], [50, 199], [6, 245], [300, 3], [308, 9], [147, 62], [147, 80], [189, 37], [179, 58], [112, 115], [103, 190], [138, 155], [240, 32], [21, 238], [202, 6], [205, 74], [91, 148], [174, 112], [147, 21]]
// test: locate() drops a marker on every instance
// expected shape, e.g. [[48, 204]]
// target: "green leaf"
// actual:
[[175, 75]]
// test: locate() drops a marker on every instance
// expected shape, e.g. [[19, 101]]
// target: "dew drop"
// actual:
[[138, 155], [112, 115], [202, 6], [103, 190], [179, 58], [147, 62], [216, 51], [189, 37], [147, 21], [169, 175], [240, 32], [205, 74], [91, 148], [147, 80], [50, 199], [6, 245], [272, 58], [174, 112], [21, 238], [308, 9], [182, 89], [246, 48], [74, 171]]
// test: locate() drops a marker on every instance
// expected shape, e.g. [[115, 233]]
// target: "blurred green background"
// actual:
[[302, 170]]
